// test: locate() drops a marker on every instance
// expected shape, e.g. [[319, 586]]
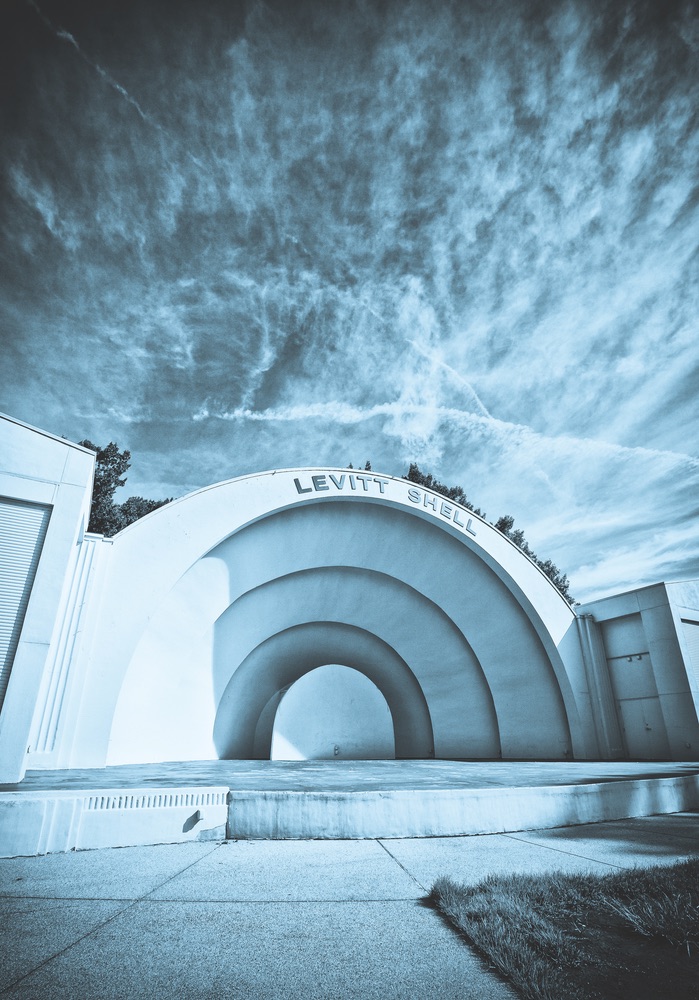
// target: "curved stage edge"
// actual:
[[54, 811]]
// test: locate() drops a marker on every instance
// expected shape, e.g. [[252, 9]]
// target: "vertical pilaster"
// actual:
[[51, 699], [609, 736]]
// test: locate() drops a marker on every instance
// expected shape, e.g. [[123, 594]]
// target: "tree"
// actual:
[[136, 507], [505, 524], [106, 517], [110, 466]]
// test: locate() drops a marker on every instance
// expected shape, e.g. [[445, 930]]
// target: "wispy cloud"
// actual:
[[466, 239], [512, 436]]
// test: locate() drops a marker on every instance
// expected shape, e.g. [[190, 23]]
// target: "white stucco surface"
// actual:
[[351, 718], [38, 468], [203, 589], [307, 613], [653, 670]]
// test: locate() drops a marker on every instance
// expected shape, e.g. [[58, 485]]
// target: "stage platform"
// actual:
[[162, 803]]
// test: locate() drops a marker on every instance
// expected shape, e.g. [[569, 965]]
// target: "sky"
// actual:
[[238, 236]]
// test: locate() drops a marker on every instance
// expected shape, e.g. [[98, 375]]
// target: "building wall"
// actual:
[[350, 718], [39, 469], [215, 603], [649, 658], [683, 599], [300, 611]]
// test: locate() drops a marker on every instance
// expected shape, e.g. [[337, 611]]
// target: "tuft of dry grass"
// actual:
[[578, 935]]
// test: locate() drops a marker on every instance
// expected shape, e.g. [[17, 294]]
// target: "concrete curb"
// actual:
[[56, 820], [47, 822], [292, 815]]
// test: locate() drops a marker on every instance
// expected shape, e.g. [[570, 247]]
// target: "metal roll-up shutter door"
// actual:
[[22, 532]]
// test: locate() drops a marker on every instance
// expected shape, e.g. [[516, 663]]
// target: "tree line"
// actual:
[[108, 517]]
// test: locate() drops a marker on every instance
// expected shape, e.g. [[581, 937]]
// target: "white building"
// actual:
[[312, 613]]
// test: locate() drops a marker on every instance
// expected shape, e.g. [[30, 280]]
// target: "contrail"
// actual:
[[66, 36], [345, 413], [457, 376]]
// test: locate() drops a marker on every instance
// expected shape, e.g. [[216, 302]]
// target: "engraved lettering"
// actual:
[[431, 502], [382, 483], [414, 495], [319, 483], [353, 485], [339, 483], [365, 481], [446, 510]]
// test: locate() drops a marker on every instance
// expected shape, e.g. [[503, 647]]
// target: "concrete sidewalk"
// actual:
[[281, 919]]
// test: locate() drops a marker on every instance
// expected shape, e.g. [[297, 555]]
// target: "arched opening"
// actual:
[[245, 717], [461, 636], [333, 713]]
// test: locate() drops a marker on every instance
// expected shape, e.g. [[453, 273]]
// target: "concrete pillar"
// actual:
[[609, 737]]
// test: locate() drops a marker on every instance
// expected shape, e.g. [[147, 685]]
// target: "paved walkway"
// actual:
[[302, 920]]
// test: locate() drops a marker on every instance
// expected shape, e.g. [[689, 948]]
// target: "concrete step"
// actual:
[[142, 804]]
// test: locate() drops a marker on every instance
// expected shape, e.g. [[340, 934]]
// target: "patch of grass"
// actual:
[[629, 934]]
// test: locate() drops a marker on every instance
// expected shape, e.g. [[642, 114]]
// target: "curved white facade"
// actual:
[[229, 596], [329, 613]]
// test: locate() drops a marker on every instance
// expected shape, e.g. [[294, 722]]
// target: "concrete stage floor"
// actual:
[[53, 811], [349, 775]]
